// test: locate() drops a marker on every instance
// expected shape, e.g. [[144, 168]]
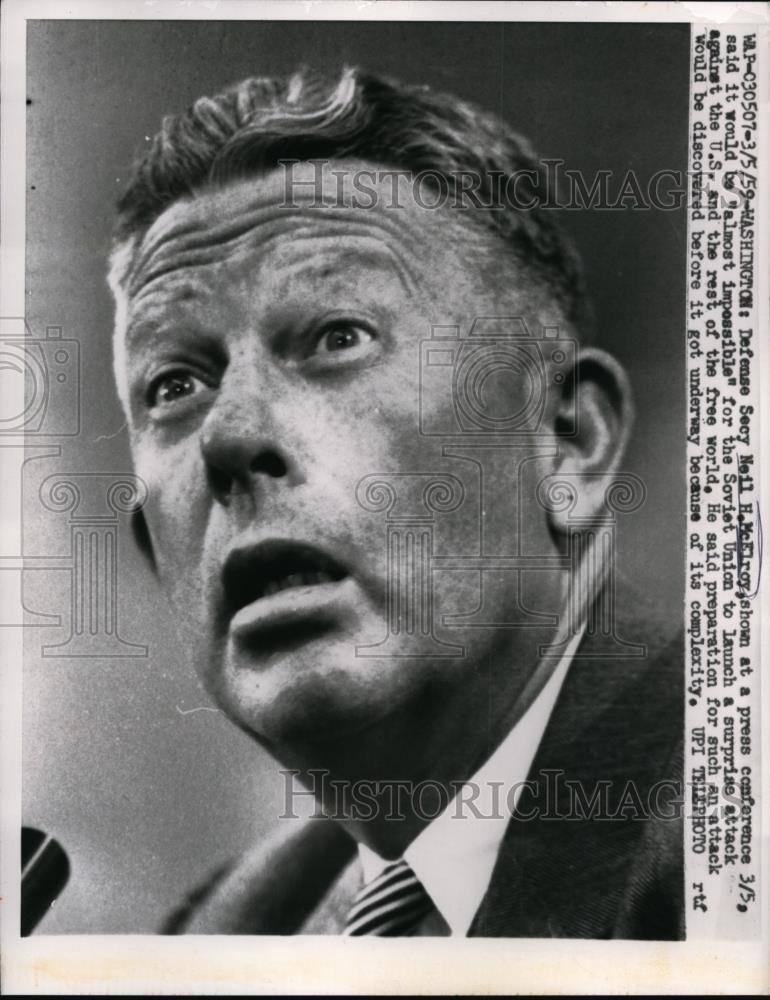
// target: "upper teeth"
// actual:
[[307, 579]]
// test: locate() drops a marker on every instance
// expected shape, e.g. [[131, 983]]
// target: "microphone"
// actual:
[[45, 869]]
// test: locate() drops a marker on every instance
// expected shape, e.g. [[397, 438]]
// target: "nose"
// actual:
[[241, 453]]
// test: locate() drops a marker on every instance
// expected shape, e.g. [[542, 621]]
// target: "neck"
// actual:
[[384, 799]]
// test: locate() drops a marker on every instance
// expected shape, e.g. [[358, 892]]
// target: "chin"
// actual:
[[317, 694]]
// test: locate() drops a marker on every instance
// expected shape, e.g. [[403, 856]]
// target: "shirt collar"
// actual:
[[454, 855]]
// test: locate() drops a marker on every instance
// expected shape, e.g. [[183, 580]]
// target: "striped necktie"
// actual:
[[392, 905]]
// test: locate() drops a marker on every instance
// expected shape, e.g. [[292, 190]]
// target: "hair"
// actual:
[[247, 129]]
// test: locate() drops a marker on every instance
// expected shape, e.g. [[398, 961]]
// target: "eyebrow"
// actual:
[[153, 316]]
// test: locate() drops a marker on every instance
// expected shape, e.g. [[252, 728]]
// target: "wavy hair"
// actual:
[[249, 128]]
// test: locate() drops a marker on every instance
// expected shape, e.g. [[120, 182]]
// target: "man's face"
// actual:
[[273, 359]]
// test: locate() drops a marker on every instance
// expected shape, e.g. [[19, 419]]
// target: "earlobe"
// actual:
[[141, 534], [599, 413]]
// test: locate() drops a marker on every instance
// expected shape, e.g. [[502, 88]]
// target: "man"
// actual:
[[346, 344]]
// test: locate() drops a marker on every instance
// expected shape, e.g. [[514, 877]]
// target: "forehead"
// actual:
[[313, 219]]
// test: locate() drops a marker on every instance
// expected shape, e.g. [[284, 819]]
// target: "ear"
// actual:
[[593, 424], [142, 538]]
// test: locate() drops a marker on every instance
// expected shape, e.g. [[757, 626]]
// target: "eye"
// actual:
[[341, 336], [173, 387]]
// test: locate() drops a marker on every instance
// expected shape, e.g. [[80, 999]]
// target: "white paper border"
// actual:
[[141, 965]]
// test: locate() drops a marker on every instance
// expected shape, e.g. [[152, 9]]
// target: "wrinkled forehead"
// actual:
[[299, 213], [342, 200]]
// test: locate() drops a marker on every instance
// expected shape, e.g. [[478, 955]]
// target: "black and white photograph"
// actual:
[[382, 546]]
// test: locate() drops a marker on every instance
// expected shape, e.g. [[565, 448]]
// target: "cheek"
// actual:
[[370, 425], [176, 512], [388, 415]]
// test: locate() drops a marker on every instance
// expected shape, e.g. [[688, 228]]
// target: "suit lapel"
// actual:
[[612, 734], [274, 888]]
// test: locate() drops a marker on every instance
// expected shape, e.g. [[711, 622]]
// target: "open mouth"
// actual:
[[268, 568]]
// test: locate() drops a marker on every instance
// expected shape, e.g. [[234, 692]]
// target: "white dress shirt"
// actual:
[[454, 855]]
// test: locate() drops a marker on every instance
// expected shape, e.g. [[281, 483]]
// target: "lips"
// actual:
[[258, 574]]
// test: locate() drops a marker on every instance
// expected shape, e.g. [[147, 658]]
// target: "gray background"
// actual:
[[146, 787]]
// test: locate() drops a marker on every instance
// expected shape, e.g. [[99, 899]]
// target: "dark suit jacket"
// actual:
[[594, 850]]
